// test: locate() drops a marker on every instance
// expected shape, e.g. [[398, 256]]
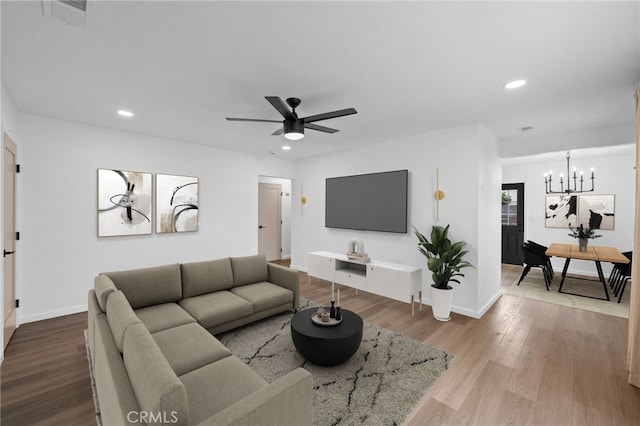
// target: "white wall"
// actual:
[[60, 250], [285, 234], [615, 174], [469, 176]]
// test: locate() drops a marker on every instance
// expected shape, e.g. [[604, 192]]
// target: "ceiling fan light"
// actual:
[[294, 129], [294, 136]]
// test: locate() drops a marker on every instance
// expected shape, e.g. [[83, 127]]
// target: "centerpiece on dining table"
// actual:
[[583, 235]]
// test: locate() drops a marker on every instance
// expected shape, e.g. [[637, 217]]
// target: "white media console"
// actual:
[[392, 280]]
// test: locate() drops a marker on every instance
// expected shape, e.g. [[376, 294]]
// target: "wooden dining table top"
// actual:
[[598, 253]]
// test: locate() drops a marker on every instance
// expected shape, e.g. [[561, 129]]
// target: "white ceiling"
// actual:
[[407, 67]]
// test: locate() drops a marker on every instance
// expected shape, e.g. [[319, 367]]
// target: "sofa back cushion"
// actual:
[[157, 388], [206, 277], [249, 269], [103, 285], [120, 316], [149, 286]]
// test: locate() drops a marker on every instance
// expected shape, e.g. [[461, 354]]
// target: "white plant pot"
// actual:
[[441, 301]]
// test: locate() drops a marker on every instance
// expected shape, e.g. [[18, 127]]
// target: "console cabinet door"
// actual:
[[387, 282], [321, 267]]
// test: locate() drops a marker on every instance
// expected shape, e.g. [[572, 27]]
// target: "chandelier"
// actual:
[[576, 177]]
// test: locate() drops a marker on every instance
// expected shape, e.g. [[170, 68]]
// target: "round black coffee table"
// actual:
[[326, 346]]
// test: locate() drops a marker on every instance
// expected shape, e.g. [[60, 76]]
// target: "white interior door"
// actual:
[[270, 220], [9, 237]]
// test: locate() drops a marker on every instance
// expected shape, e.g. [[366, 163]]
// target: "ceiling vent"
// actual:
[[71, 12]]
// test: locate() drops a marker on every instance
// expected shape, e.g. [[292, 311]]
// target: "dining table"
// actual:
[[597, 254]]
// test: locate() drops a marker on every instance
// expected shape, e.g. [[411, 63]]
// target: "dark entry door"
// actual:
[[512, 222]]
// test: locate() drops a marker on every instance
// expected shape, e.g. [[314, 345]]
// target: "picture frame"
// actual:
[[124, 202], [561, 211], [596, 211], [177, 207]]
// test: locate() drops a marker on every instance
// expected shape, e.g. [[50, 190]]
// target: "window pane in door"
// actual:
[[510, 207]]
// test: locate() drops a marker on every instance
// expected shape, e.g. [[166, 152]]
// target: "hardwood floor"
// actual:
[[522, 363]]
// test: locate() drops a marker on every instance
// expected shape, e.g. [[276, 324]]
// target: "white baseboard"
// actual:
[[52, 314], [298, 268], [469, 312]]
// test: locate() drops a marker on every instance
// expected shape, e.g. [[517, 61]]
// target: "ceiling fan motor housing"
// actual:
[[294, 126]]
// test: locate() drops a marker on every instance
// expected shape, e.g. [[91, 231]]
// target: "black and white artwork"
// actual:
[[176, 203], [561, 211], [124, 202], [596, 211]]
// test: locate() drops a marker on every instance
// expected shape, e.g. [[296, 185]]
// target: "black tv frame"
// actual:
[[397, 224]]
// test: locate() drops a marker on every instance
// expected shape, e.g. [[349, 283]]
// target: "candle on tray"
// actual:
[[332, 298], [338, 297]]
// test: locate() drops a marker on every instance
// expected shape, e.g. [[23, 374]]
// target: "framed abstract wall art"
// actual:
[[596, 211], [176, 203], [590, 211], [561, 211], [124, 202]]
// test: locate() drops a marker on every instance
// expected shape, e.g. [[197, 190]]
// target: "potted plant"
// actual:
[[445, 260], [583, 235]]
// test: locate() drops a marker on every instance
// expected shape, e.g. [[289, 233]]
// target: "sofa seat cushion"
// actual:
[[216, 308], [214, 387], [189, 347], [164, 316], [206, 277], [264, 295]]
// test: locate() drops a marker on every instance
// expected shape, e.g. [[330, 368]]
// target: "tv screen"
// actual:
[[371, 202]]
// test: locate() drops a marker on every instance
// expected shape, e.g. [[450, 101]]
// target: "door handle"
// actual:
[[261, 227], [7, 253]]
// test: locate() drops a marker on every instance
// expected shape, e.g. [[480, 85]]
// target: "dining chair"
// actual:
[[543, 251], [532, 258], [620, 275]]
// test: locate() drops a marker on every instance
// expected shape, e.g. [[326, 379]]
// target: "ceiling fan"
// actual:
[[293, 126]]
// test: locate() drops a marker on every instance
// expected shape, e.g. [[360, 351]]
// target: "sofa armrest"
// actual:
[[287, 278], [286, 401]]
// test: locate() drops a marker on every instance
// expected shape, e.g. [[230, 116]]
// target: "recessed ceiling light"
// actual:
[[125, 113], [515, 84], [286, 147]]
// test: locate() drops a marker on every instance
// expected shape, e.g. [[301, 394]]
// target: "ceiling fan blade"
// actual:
[[254, 119], [278, 132], [320, 128], [328, 115], [281, 107]]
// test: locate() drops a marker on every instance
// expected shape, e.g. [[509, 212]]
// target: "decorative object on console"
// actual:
[[124, 202], [445, 260], [575, 177], [355, 250], [176, 203]]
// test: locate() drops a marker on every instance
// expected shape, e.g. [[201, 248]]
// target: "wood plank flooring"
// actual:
[[523, 363]]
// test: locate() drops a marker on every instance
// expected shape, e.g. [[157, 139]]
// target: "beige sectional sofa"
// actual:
[[155, 358]]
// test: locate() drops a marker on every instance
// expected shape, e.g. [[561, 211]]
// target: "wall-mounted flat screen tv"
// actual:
[[370, 202]]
